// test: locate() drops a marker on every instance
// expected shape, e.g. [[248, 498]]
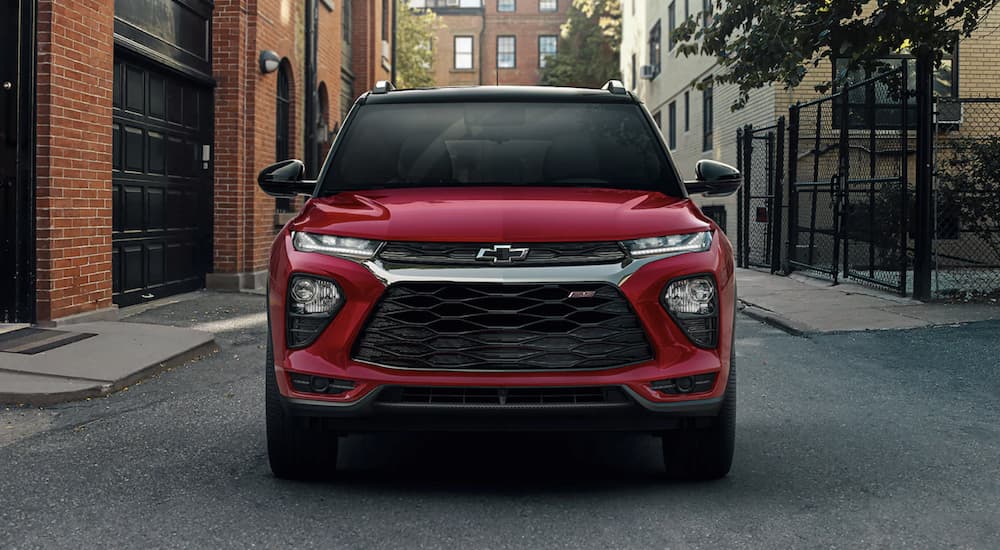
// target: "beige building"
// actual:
[[699, 123]]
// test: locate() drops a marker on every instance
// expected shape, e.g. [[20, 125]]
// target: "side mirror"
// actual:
[[714, 179], [285, 179]]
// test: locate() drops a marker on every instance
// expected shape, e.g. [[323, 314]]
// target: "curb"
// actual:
[[775, 320], [106, 388]]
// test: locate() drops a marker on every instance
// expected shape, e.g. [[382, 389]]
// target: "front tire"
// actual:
[[297, 448], [702, 454]]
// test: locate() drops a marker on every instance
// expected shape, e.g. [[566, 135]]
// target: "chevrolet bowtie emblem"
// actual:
[[502, 254]]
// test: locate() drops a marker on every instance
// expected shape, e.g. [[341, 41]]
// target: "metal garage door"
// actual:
[[162, 181]]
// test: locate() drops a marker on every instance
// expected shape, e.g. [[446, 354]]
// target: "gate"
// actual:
[[849, 158], [760, 158]]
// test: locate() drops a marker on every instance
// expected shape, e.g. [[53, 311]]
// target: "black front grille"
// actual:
[[504, 397], [539, 254], [503, 327]]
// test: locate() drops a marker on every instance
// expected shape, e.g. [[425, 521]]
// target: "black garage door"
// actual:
[[162, 181]]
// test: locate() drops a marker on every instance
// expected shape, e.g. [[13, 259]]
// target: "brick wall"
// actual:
[[73, 159], [453, 25], [366, 44], [526, 24]]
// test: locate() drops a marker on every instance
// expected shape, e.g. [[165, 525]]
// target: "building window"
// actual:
[[687, 111], [707, 17], [346, 95], [633, 72], [345, 21], [658, 120], [547, 45], [707, 117], [548, 5], [717, 213], [654, 48], [672, 125], [463, 53], [506, 5], [671, 25], [877, 104], [385, 19], [506, 52], [687, 10]]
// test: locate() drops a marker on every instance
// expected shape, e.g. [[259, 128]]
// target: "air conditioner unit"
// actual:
[[647, 72], [949, 112]]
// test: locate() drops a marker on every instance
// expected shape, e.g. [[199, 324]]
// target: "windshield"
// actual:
[[526, 144]]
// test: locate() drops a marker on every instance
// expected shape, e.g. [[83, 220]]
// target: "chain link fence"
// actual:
[[967, 199]]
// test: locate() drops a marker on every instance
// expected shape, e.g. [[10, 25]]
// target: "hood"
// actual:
[[500, 214]]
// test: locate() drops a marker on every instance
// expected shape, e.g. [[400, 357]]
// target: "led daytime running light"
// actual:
[[347, 247], [669, 245]]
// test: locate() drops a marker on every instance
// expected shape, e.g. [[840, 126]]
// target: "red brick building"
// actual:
[[490, 41], [131, 133]]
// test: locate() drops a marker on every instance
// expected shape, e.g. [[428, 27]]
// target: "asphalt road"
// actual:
[[851, 440]]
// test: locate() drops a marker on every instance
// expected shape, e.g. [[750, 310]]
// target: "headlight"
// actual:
[[345, 247], [312, 302], [693, 304], [671, 245]]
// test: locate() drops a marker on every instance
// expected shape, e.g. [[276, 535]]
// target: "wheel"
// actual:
[[704, 453], [297, 448]]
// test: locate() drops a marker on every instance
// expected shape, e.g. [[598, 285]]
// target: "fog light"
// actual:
[[701, 383], [306, 383]]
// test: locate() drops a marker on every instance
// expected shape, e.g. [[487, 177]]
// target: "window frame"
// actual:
[[513, 6], [672, 126], [471, 53], [671, 25], [655, 44], [870, 106], [555, 6], [687, 111], [513, 52], [708, 117], [543, 55]]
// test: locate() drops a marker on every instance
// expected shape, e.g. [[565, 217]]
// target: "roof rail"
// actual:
[[615, 86], [383, 87]]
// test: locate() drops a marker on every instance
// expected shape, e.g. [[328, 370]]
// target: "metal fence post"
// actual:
[[740, 229], [778, 203], [793, 202], [748, 183], [924, 215]]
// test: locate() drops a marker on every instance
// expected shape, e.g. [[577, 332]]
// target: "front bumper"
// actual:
[[372, 414], [360, 409]]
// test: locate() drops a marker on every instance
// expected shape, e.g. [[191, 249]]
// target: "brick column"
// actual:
[[234, 67], [73, 158]]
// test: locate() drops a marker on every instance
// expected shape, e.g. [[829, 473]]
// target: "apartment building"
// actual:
[[494, 41], [133, 132], [698, 122]]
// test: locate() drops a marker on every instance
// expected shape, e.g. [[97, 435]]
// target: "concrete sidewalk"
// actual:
[[803, 305], [118, 354]]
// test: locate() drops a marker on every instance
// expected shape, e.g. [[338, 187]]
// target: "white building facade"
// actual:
[[696, 123]]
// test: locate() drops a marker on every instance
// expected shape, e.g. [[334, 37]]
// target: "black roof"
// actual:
[[499, 93]]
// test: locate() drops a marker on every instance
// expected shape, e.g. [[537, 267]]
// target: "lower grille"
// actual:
[[503, 327], [514, 397]]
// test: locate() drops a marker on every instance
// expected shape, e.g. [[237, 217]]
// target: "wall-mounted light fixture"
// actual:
[[269, 61]]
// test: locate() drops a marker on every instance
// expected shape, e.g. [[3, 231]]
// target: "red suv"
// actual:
[[500, 258]]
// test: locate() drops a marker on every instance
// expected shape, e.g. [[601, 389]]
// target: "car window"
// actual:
[[525, 144]]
